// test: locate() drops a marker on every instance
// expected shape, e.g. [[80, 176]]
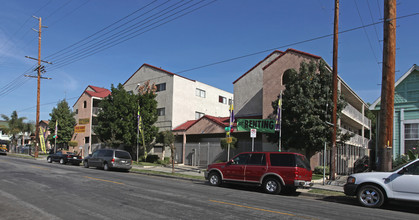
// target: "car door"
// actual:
[[234, 170], [57, 156], [255, 167], [405, 185], [93, 160]]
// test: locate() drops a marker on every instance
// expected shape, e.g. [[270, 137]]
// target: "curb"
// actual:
[[166, 176]]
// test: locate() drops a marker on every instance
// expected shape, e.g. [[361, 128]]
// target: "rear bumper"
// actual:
[[302, 183], [121, 166]]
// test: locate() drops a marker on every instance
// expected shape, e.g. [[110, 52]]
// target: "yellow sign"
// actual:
[[229, 140], [79, 129], [42, 140], [84, 121]]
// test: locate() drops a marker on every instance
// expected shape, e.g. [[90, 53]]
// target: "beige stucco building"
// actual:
[[86, 109], [180, 99]]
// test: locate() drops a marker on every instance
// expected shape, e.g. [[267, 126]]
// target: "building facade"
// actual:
[[406, 113], [180, 99], [86, 109]]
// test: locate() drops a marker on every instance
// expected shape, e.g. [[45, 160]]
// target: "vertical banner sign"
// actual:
[[278, 114], [231, 117], [42, 140]]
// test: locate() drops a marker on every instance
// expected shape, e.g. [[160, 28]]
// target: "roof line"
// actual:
[[291, 50], [257, 65]]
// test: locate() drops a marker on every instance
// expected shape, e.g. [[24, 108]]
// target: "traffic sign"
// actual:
[[253, 133]]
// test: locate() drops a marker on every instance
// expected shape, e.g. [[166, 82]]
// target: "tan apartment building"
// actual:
[[86, 109], [255, 91]]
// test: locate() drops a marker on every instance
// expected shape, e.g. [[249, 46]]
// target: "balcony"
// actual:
[[95, 110], [357, 116], [356, 140]]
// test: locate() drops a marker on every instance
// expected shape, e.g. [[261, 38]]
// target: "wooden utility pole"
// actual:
[[335, 91], [385, 134]]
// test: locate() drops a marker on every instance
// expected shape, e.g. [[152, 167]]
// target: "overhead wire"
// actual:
[[366, 34], [128, 37], [289, 45], [375, 28]]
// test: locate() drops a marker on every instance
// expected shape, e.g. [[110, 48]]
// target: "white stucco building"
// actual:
[[180, 99]]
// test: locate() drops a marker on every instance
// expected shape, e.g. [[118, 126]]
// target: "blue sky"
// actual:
[[219, 31]]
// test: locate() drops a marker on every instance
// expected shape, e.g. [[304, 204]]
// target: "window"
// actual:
[[257, 160], [413, 169], [161, 87], [411, 131], [122, 154], [222, 99], [77, 111], [161, 111], [241, 159], [198, 115], [283, 160], [200, 93], [84, 104]]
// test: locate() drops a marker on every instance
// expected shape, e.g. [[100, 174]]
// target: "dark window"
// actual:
[[161, 87], [109, 153], [122, 154], [222, 99], [161, 112], [96, 153], [413, 169], [241, 159], [257, 159], [77, 111], [84, 104], [302, 162], [283, 160], [101, 153]]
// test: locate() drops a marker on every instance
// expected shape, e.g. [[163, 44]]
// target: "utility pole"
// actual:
[[335, 92], [40, 69], [385, 133]]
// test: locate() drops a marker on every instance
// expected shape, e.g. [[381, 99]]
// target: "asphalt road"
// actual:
[[31, 189]]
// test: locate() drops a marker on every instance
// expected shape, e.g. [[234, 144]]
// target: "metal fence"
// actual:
[[346, 157]]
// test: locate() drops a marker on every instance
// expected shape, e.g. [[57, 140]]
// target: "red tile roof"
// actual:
[[98, 92], [221, 121]]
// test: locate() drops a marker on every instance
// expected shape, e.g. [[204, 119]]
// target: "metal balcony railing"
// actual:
[[353, 113], [356, 140]]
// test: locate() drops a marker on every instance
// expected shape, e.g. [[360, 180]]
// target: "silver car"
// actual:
[[109, 159]]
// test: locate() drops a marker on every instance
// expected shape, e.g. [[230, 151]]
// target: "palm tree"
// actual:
[[16, 126]]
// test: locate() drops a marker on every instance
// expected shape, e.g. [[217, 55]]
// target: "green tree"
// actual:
[[66, 122], [16, 127], [168, 139], [117, 120], [306, 107]]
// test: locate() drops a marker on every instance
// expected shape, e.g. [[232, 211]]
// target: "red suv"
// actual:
[[275, 171]]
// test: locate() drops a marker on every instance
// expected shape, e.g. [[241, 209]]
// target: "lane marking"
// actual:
[[259, 209], [109, 181]]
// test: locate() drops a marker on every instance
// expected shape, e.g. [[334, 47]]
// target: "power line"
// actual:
[[49, 103], [111, 44], [288, 45], [366, 34]]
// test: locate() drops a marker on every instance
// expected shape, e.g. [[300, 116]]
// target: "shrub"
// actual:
[[152, 158], [319, 170]]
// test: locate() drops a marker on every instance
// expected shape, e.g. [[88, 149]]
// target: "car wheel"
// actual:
[[49, 159], [105, 167], [86, 164], [271, 186], [214, 179], [370, 196], [62, 161]]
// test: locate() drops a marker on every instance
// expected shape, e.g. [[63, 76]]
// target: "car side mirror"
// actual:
[[230, 162], [402, 171]]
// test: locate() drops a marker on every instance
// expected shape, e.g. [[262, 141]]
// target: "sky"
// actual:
[[103, 42]]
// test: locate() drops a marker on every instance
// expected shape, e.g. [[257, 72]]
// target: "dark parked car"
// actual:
[[64, 158], [275, 171], [109, 159]]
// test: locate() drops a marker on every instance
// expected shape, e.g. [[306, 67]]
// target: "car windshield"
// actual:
[[400, 166]]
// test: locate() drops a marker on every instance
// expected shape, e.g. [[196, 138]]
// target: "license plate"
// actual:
[[124, 161], [74, 157]]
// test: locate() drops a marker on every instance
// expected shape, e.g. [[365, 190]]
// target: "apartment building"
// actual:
[[180, 99], [86, 109], [255, 91], [406, 113]]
